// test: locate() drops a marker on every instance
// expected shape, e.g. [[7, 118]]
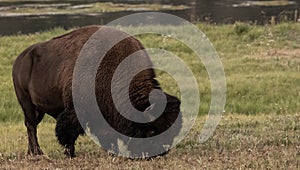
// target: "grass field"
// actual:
[[260, 128]]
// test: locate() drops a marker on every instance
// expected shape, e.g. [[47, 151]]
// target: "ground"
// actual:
[[239, 142], [260, 127]]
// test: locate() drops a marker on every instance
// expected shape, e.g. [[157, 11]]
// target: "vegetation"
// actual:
[[240, 142], [265, 3], [260, 127], [87, 9], [261, 66]]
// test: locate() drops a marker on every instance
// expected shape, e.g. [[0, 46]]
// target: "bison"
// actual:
[[42, 77]]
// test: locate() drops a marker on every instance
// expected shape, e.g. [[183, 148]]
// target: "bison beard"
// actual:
[[42, 77]]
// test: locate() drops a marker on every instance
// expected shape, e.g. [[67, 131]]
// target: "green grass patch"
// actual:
[[261, 64]]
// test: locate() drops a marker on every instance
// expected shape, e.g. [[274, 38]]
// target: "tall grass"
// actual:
[[262, 65]]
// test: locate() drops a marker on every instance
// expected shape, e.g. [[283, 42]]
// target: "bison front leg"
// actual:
[[70, 150], [67, 130]]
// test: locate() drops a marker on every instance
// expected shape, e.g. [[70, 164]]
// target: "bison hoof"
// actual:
[[34, 152], [69, 153]]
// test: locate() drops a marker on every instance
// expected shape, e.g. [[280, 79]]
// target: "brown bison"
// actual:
[[42, 76]]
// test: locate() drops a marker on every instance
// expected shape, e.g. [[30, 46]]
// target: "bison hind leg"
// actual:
[[32, 118], [67, 131]]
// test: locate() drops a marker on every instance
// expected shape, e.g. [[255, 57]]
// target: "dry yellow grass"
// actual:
[[240, 142]]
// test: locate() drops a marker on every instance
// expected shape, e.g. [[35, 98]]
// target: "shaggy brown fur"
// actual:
[[42, 77]]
